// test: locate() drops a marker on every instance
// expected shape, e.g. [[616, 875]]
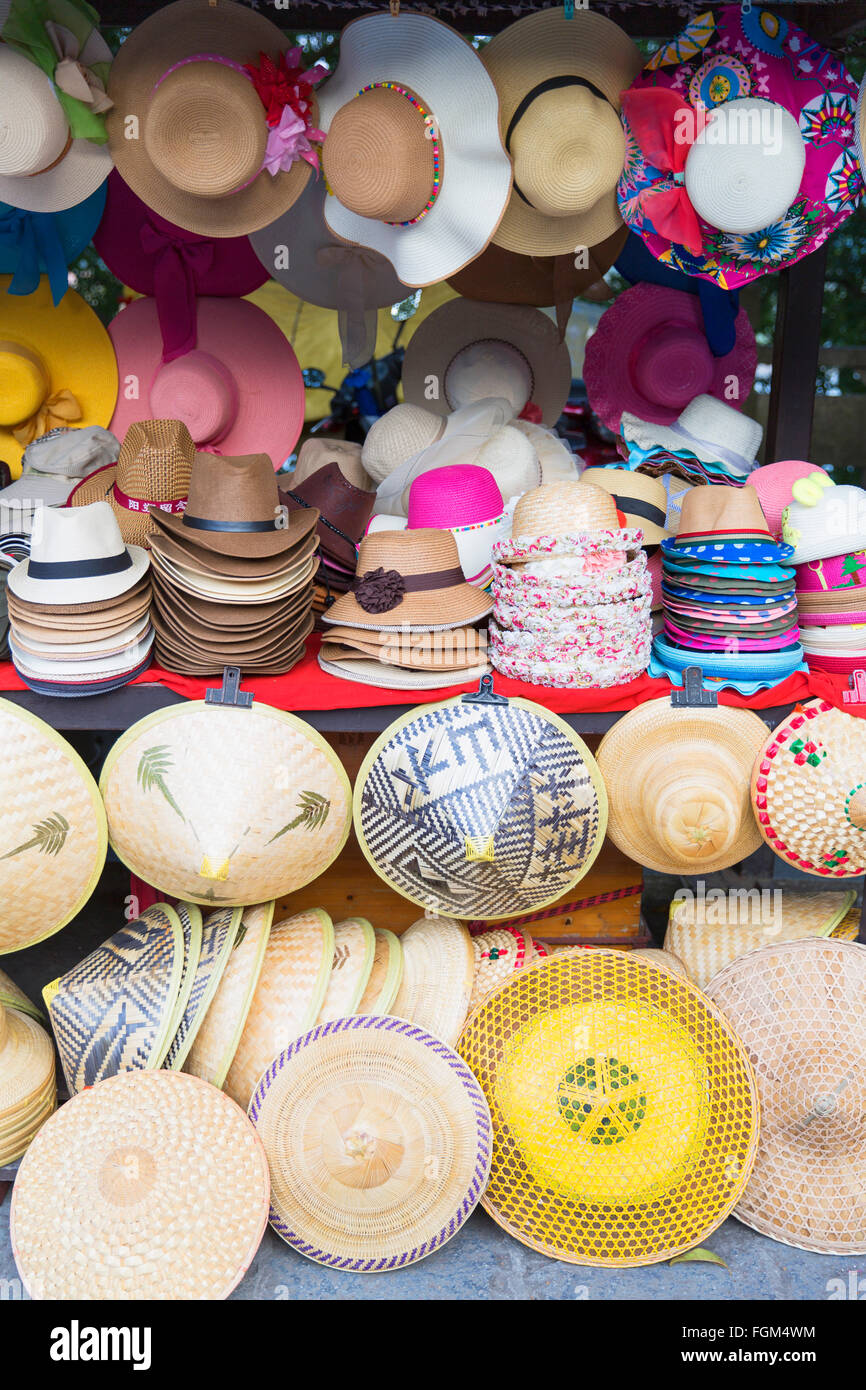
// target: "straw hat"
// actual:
[[678, 781], [709, 429], [559, 82], [473, 350], [409, 577], [808, 792], [51, 467], [46, 243], [438, 977], [385, 975], [189, 917], [378, 1140], [497, 954], [561, 511], [480, 810], [337, 661], [219, 931], [709, 935], [399, 434], [54, 820], [57, 367], [642, 500], [216, 1038], [507, 277], [288, 996], [26, 1066], [798, 1007], [178, 786], [159, 1184], [14, 997], [662, 960], [152, 469], [625, 1115], [354, 950], [413, 160]]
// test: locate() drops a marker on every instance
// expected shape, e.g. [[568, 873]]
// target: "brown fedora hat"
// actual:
[[218, 565], [227, 649], [499, 276], [175, 660], [188, 629], [409, 577], [344, 509], [234, 508], [235, 589], [152, 469]]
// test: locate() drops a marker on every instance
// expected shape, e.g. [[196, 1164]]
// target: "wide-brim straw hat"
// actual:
[[430, 202], [54, 831], [642, 500], [378, 1140], [480, 810], [159, 1184], [385, 974], [476, 350], [438, 977], [288, 996], [354, 949], [334, 661], [180, 75], [409, 577], [498, 953], [624, 1108], [507, 277], [798, 1008], [710, 429], [678, 785], [809, 791], [153, 468], [219, 931], [57, 368], [219, 1031], [178, 786], [559, 81]]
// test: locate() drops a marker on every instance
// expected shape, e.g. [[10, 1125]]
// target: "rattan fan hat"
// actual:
[[624, 1109], [378, 1140], [438, 976], [217, 1037], [153, 469], [158, 1184], [799, 1009], [678, 785]]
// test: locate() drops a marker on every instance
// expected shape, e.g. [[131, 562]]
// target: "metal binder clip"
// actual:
[[857, 694], [230, 692], [485, 694], [693, 695]]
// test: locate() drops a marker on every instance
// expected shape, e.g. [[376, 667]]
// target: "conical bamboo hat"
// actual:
[[216, 1040]]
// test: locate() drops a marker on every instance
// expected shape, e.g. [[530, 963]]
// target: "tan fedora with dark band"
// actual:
[[409, 577]]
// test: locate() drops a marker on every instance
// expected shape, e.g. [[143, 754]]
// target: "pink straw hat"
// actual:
[[649, 356], [774, 485], [240, 391]]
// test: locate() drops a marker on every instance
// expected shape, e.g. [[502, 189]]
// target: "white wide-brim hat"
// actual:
[[442, 70], [709, 429], [77, 556]]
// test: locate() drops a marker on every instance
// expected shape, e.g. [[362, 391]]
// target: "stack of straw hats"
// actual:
[[79, 605], [232, 573], [826, 525], [329, 477], [571, 591], [410, 620], [28, 1093], [709, 442]]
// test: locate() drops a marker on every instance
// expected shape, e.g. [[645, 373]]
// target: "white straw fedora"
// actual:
[[77, 555], [709, 429]]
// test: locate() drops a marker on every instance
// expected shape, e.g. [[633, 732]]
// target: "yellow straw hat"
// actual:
[[216, 1040], [57, 368], [624, 1109]]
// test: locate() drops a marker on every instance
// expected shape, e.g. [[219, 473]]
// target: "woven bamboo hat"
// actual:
[[54, 831], [385, 975], [625, 1115], [288, 996], [218, 933], [809, 791], [798, 1008], [559, 82], [189, 917], [26, 1066], [497, 954], [409, 577], [708, 936], [153, 469], [178, 787], [678, 785], [159, 1184], [354, 950], [480, 809], [218, 1034], [378, 1141], [14, 997], [663, 960], [438, 976]]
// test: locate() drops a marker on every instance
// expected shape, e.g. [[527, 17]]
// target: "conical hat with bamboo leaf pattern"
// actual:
[[223, 805]]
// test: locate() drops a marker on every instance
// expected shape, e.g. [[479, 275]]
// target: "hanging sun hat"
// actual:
[[823, 520], [625, 1116], [160, 1185], [413, 159], [217, 1036], [707, 935], [725, 526], [354, 949], [774, 485], [708, 429], [438, 977], [54, 832], [719, 308], [385, 975], [507, 277], [33, 244], [642, 500], [54, 64], [808, 791], [199, 79], [678, 785], [559, 81], [152, 469], [471, 808], [473, 350], [239, 391], [649, 356], [178, 786], [498, 953], [798, 1008], [218, 933], [113, 1011], [287, 999], [77, 554], [57, 367]]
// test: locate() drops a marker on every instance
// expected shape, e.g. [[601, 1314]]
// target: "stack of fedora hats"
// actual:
[[571, 591], [232, 573], [728, 590], [330, 478], [826, 525], [708, 442], [79, 605], [152, 470], [410, 619], [28, 1090]]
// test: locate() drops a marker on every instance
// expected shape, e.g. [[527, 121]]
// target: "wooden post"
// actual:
[[796, 342]]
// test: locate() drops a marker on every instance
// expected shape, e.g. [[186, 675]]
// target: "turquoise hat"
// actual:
[[46, 243]]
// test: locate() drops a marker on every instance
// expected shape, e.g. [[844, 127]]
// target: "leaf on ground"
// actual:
[[700, 1256]]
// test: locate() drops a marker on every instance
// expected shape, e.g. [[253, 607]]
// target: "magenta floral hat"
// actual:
[[679, 114]]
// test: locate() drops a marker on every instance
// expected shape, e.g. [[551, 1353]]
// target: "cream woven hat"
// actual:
[[385, 975], [412, 154], [438, 977], [354, 950], [559, 82], [709, 429], [798, 1008], [27, 1085], [678, 785], [77, 555], [398, 435], [159, 1184], [216, 1040]]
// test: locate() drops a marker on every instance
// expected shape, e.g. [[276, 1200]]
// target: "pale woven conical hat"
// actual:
[[378, 1140], [189, 917], [12, 994], [800, 1009], [438, 977], [218, 931], [385, 976], [216, 1040], [151, 1185], [17, 1138], [26, 1065], [354, 950], [53, 840], [497, 954], [665, 960], [288, 996], [221, 805]]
